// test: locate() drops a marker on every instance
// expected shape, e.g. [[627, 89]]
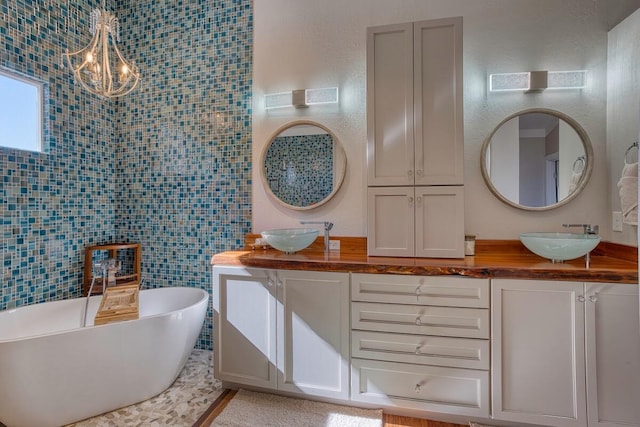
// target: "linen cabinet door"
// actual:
[[537, 347], [244, 313], [439, 220], [313, 333], [390, 144], [613, 354], [391, 221], [439, 137]]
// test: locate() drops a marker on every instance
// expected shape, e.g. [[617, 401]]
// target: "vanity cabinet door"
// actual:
[[437, 77], [244, 318], [313, 333], [391, 221], [390, 146], [439, 222], [537, 347], [416, 221], [613, 354]]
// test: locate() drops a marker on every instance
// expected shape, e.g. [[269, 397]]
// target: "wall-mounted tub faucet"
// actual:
[[587, 228], [109, 268], [327, 227]]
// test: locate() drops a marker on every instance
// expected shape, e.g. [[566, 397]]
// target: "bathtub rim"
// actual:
[[204, 298]]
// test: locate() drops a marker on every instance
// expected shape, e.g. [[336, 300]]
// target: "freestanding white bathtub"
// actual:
[[54, 372]]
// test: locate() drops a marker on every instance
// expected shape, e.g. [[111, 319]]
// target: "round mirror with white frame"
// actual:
[[537, 159], [303, 165]]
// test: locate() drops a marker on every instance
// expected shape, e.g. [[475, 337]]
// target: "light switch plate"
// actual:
[[616, 223]]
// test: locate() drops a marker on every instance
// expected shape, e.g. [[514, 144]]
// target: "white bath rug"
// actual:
[[250, 409], [180, 405]]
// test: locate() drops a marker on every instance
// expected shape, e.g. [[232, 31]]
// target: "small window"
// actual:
[[21, 111]]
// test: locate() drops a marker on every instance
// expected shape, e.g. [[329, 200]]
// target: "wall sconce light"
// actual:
[[301, 98], [537, 81]]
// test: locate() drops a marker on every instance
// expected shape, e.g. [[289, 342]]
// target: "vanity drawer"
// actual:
[[427, 388], [421, 320], [421, 290], [421, 349]]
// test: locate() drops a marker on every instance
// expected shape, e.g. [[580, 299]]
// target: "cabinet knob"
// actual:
[[418, 388], [410, 200], [418, 351], [580, 298], [419, 173], [593, 298], [419, 200], [418, 321], [410, 173], [418, 291]]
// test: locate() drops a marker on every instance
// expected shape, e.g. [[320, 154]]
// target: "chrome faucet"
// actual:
[[327, 227], [587, 228], [110, 267]]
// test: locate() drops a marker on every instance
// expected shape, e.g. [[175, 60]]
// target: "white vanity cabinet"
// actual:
[[416, 221], [565, 353], [421, 343], [415, 139], [284, 330]]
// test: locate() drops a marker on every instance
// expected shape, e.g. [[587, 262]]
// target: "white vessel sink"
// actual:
[[560, 246], [290, 240]]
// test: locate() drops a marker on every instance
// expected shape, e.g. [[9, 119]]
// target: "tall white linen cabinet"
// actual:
[[415, 139]]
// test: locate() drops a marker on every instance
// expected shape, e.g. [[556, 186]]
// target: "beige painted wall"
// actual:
[[312, 44], [623, 109]]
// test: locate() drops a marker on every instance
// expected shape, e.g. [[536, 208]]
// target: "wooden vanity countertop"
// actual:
[[610, 262]]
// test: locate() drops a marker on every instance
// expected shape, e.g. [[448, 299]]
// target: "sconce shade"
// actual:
[[567, 80], [301, 98], [537, 81]]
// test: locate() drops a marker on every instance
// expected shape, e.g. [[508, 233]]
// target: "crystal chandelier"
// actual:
[[99, 67]]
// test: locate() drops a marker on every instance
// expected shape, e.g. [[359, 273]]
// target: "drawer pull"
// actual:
[[418, 351], [418, 321], [418, 388]]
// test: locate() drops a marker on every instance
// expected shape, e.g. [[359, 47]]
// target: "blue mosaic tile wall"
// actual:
[[168, 166], [183, 167], [55, 203], [299, 168]]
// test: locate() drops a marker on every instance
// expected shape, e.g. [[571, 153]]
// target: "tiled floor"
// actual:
[[191, 394]]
